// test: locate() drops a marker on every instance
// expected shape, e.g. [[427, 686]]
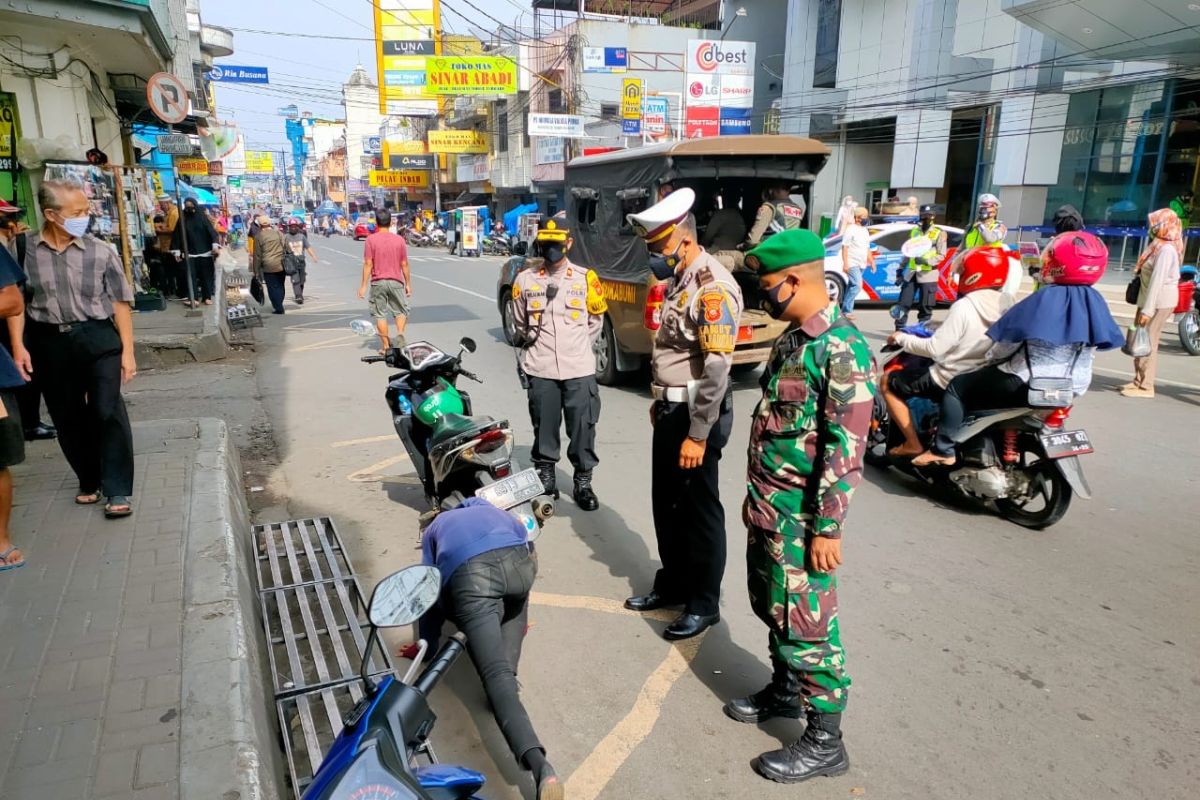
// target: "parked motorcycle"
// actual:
[[386, 736], [455, 454], [1020, 459]]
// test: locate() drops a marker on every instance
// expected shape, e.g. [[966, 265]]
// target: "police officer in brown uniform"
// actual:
[[559, 311], [692, 414]]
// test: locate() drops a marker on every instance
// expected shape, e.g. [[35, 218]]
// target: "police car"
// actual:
[[880, 286]]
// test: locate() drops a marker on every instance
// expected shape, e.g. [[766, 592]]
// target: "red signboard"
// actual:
[[702, 122], [595, 151]]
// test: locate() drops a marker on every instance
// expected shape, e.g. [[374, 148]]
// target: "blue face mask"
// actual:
[[76, 226], [663, 265]]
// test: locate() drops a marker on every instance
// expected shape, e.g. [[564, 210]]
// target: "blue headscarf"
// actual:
[[1060, 315]]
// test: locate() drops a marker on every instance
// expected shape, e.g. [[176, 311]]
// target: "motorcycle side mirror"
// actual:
[[403, 597], [467, 344], [363, 327]]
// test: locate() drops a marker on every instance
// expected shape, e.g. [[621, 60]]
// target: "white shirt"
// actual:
[[856, 241], [960, 344]]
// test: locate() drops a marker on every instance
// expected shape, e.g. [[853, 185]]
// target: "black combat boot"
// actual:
[[549, 482], [819, 752], [779, 698], [584, 496]]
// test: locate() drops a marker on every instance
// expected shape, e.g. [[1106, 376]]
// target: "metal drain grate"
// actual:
[[314, 613]]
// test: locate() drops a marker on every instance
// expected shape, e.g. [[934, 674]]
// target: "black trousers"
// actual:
[[990, 387], [205, 271], [80, 374], [276, 283], [925, 300], [487, 598], [689, 520], [298, 278], [576, 400]]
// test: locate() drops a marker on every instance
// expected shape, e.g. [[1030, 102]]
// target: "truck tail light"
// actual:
[[652, 315]]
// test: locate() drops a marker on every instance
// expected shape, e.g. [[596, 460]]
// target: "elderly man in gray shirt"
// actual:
[[80, 343]]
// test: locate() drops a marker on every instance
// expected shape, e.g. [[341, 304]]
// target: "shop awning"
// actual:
[[201, 196]]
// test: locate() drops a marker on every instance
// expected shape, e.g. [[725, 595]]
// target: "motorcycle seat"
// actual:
[[452, 425]]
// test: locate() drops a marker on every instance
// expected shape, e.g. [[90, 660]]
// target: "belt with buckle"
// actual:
[[669, 394]]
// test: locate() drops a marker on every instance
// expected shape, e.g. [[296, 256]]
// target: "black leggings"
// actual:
[[990, 387]]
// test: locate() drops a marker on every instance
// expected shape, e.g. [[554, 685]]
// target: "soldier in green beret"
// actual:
[[806, 449]]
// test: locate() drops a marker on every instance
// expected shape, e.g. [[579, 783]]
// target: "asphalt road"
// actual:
[[988, 661]]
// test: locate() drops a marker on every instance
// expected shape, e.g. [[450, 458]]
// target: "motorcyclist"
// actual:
[[959, 344], [1051, 334]]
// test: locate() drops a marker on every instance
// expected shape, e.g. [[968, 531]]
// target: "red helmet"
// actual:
[[1074, 258], [983, 268]]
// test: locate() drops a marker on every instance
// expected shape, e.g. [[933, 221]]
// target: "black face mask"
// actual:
[[553, 252], [189, 210], [663, 265], [926, 222], [773, 302]]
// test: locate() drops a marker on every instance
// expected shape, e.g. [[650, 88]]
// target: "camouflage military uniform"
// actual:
[[818, 393]]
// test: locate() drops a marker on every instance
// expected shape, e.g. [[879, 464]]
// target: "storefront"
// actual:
[[14, 182]]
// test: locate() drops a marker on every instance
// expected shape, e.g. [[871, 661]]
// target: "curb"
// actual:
[[173, 349], [228, 746]]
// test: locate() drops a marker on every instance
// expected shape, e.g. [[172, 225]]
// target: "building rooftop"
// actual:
[[360, 77]]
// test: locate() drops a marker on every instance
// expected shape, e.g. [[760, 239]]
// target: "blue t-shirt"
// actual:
[[459, 535], [10, 274]]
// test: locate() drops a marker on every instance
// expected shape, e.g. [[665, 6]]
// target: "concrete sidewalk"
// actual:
[[130, 655], [176, 336]]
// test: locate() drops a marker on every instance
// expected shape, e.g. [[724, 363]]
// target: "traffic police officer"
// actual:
[[921, 274], [559, 311], [987, 229], [692, 414], [807, 439]]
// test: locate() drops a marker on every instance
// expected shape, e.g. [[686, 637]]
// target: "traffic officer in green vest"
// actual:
[[781, 211], [558, 311], [987, 229], [919, 279], [807, 438]]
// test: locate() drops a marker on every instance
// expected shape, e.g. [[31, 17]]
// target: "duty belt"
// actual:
[[669, 394]]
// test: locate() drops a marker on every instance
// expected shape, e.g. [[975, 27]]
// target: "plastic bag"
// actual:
[[1137, 342]]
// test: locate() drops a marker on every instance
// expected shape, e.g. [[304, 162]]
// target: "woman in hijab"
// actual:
[[202, 247], [1158, 266]]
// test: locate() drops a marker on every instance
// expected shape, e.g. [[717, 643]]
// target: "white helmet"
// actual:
[[987, 197]]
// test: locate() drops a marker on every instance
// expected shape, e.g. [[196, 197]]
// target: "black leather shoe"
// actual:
[[584, 495], [650, 602], [780, 698], [549, 481], [818, 752], [40, 432], [687, 625]]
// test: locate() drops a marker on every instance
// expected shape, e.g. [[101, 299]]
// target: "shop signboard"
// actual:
[[549, 150], [702, 122], [569, 126], [406, 38], [216, 168], [373, 144], [472, 169], [655, 114], [609, 60], [234, 182], [260, 162], [470, 75], [191, 166], [229, 73], [398, 179], [455, 141], [411, 161], [175, 144], [719, 75]]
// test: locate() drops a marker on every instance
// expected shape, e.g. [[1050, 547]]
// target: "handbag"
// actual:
[[1137, 342], [1051, 392], [1133, 290], [256, 290]]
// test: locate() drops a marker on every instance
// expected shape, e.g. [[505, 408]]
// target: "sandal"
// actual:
[[117, 507], [87, 498], [6, 564]]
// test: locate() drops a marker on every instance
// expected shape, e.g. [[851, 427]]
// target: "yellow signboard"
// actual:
[[191, 166], [402, 147], [631, 98], [458, 142], [397, 179], [472, 75], [260, 162], [406, 36]]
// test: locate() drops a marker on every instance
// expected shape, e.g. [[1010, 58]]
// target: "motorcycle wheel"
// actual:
[[1189, 332], [1048, 503]]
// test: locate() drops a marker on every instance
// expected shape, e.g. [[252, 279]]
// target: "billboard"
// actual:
[[398, 179], [631, 106], [656, 112], [405, 38], [609, 60], [458, 142], [718, 87], [566, 125], [549, 150], [472, 169], [471, 75], [191, 166], [260, 162]]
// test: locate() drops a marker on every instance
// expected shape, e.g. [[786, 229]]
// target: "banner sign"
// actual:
[[228, 73], [373, 144], [405, 38], [408, 47], [719, 76], [471, 75], [549, 150], [216, 168], [458, 142], [702, 122], [260, 162], [191, 166], [656, 112], [235, 182], [411, 161], [175, 144], [569, 126], [610, 60], [631, 98], [472, 169], [396, 179]]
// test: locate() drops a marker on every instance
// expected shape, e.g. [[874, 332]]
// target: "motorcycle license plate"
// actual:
[[1066, 443], [513, 490]]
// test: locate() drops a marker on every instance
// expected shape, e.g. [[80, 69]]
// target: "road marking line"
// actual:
[[301, 325], [370, 474], [456, 288], [324, 344], [593, 775], [1116, 373], [368, 440], [603, 604]]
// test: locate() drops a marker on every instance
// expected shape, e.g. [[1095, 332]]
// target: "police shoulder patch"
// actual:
[[516, 291]]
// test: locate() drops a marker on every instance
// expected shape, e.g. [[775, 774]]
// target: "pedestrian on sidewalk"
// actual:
[[856, 256], [202, 248], [172, 283], [488, 567], [295, 247], [386, 275], [1158, 267], [807, 440], [80, 344], [266, 262], [12, 442]]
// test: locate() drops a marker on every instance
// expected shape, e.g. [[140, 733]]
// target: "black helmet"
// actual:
[[928, 211]]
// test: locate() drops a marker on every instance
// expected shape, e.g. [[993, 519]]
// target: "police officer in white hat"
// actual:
[[692, 414], [559, 310]]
